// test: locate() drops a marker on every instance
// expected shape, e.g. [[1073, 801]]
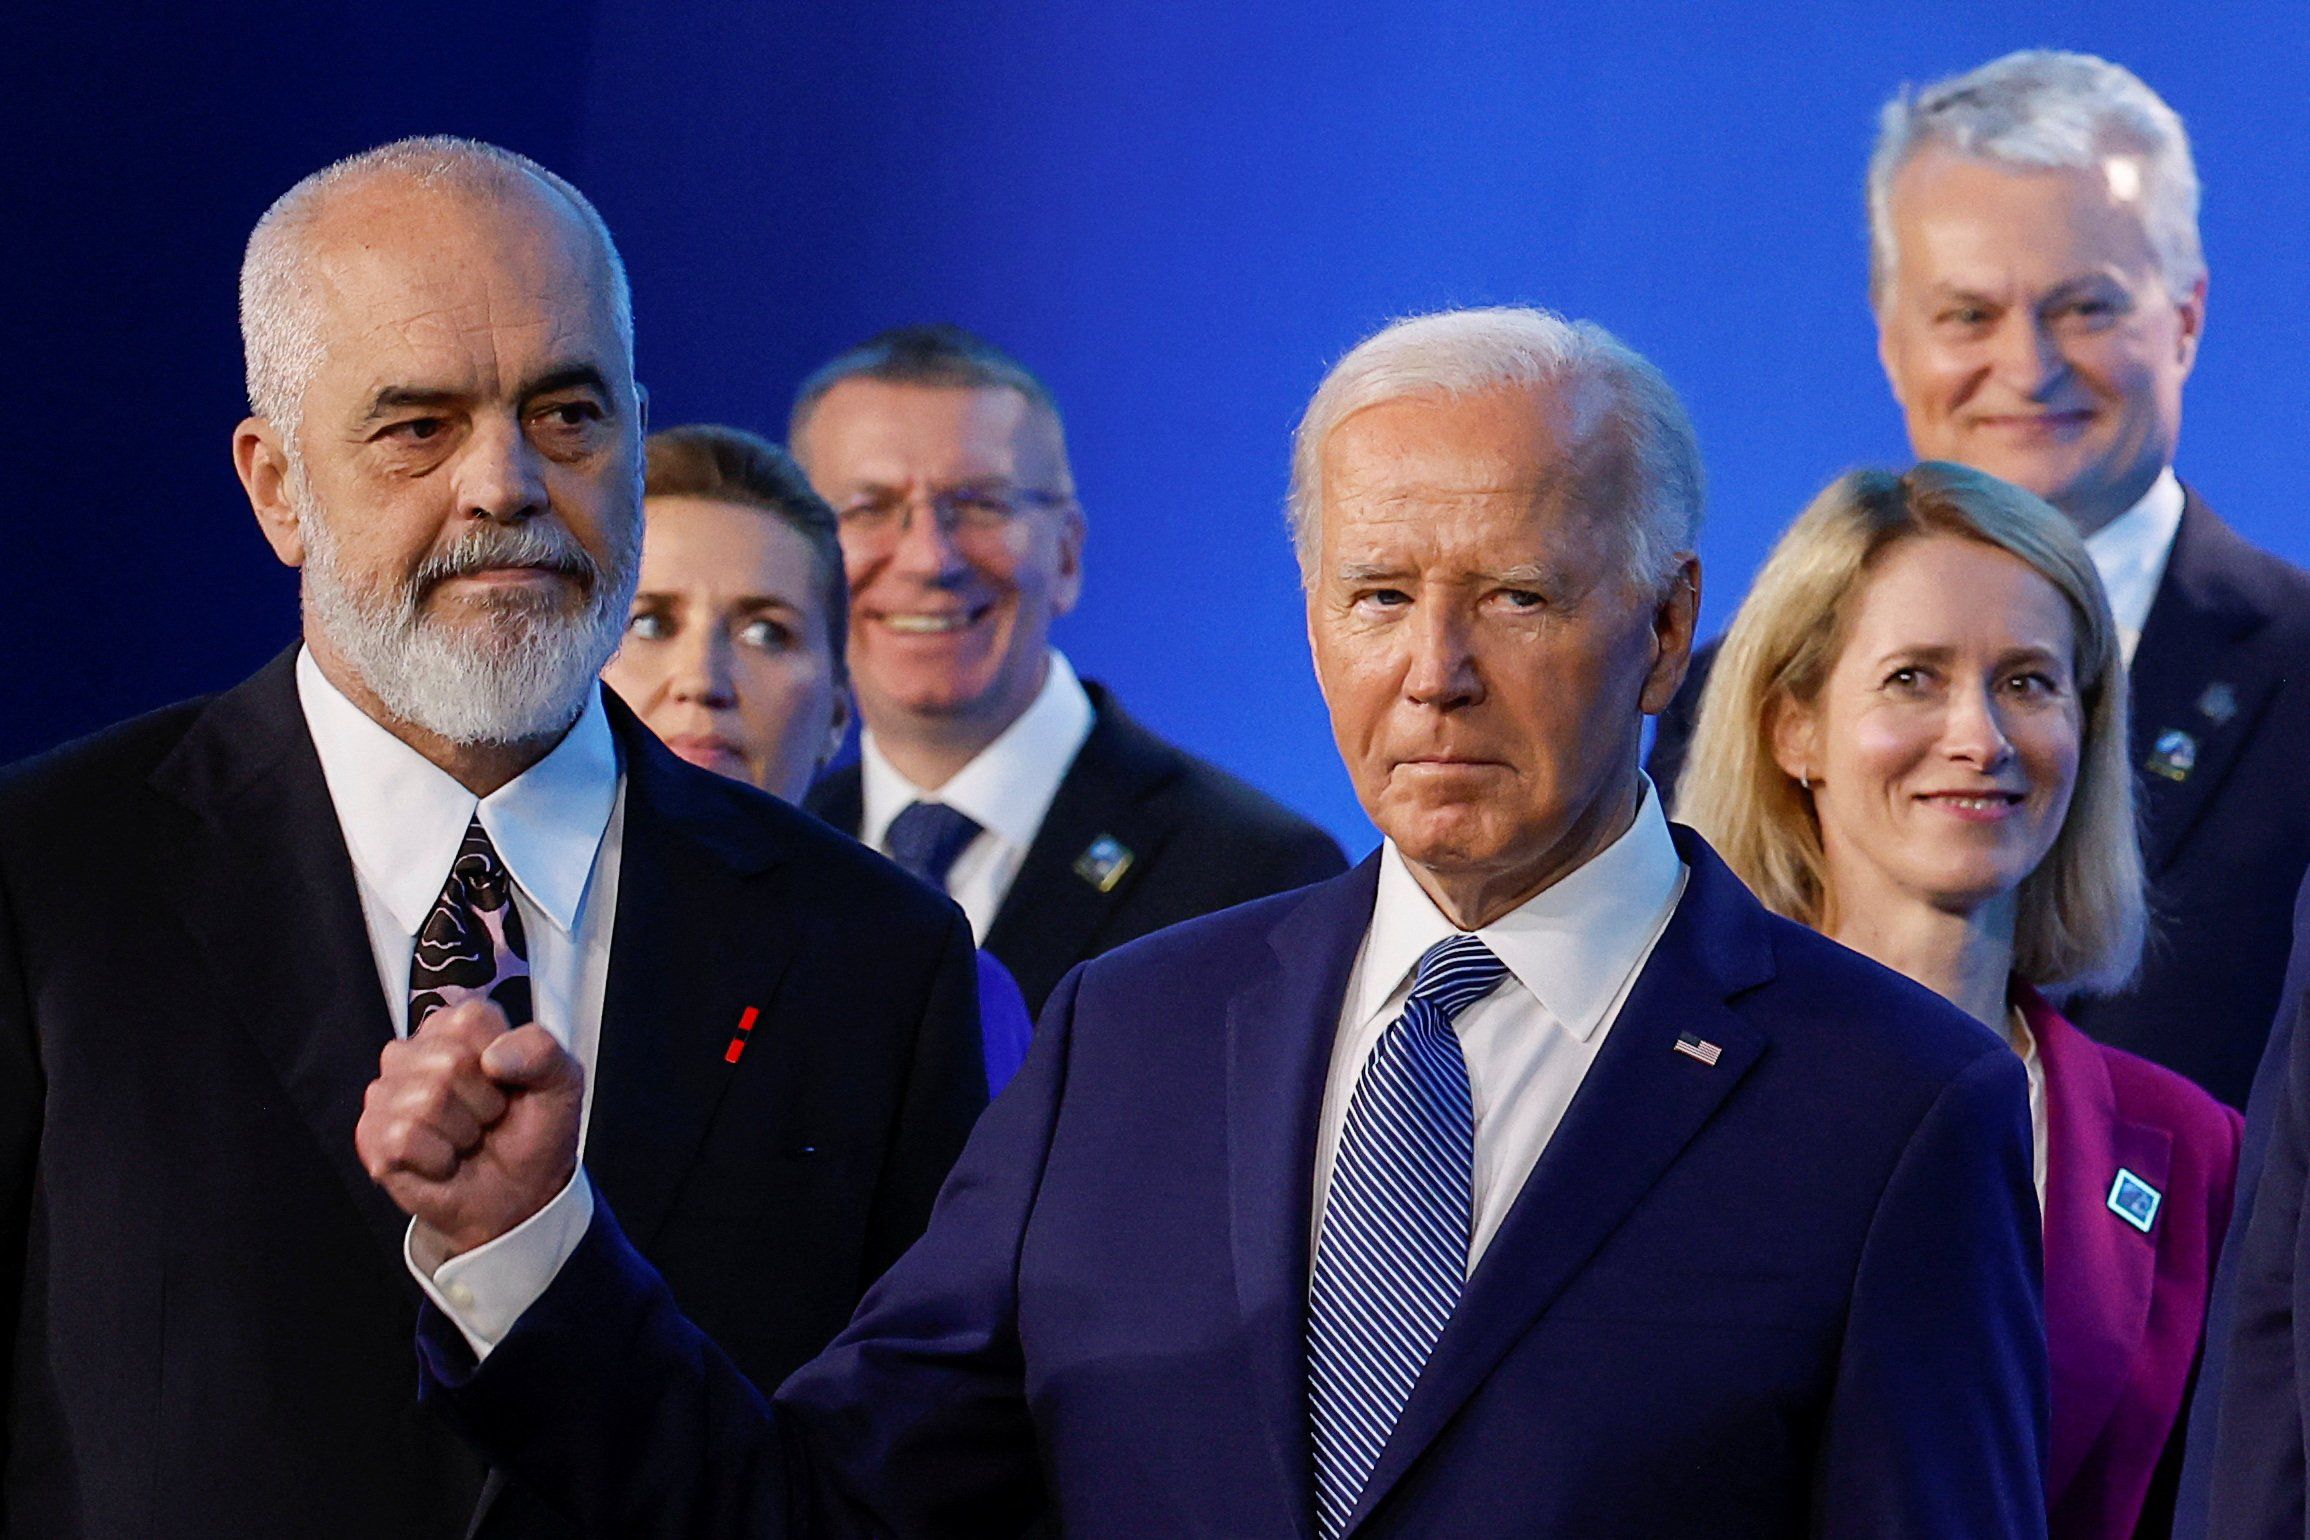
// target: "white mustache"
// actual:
[[492, 546]]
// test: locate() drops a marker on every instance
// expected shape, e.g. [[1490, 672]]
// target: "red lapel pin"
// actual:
[[753, 1013]]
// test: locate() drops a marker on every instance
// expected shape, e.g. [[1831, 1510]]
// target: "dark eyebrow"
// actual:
[[395, 398], [398, 398], [567, 377]]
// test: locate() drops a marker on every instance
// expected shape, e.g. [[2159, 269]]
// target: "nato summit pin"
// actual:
[[2174, 756], [1104, 863], [2134, 1200], [2219, 703]]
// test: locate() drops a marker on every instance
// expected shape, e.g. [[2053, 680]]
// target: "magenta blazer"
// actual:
[[2139, 1169]]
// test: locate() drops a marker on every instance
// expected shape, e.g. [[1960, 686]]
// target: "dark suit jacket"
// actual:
[[2125, 1308], [1199, 840], [2273, 1084], [2224, 661], [208, 1308], [1791, 1292]]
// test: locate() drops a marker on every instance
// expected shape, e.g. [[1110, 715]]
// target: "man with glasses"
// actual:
[[1061, 826]]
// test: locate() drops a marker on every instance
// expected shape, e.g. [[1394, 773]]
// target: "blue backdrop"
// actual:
[[1178, 213]]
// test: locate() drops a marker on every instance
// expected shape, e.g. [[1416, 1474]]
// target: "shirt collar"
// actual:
[[404, 816], [1009, 785], [2130, 552], [1573, 944]]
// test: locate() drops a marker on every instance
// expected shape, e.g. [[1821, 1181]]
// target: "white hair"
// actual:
[[281, 340], [2043, 110], [1614, 398], [522, 672]]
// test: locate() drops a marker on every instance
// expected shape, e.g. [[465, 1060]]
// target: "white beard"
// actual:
[[526, 672]]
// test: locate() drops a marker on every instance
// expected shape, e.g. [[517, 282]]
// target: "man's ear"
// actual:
[[2191, 309], [261, 460], [1674, 615], [1069, 587]]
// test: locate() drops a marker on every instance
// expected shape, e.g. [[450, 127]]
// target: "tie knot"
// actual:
[[479, 869], [1454, 974], [926, 837]]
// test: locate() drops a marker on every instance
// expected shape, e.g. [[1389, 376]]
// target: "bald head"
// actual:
[[435, 202]]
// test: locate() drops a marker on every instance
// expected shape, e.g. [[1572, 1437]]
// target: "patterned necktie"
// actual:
[[472, 946], [1393, 1250], [926, 837]]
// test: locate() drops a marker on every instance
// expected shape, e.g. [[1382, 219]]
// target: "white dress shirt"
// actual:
[[2130, 552], [559, 827], [1573, 951], [2024, 1043], [1006, 789]]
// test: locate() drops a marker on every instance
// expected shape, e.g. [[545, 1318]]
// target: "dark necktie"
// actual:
[[472, 946], [926, 837], [1393, 1250]]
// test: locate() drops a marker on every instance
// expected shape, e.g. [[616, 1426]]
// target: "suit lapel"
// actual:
[[838, 798], [2100, 1272], [1279, 1040], [2196, 693], [1053, 912], [687, 957], [271, 900], [1640, 1105]]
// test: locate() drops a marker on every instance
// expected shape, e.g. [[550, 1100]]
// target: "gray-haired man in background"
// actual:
[[2040, 296]]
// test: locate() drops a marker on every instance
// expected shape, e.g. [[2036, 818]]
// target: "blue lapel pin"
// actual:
[[2219, 703], [2174, 756], [2134, 1200], [1104, 863]]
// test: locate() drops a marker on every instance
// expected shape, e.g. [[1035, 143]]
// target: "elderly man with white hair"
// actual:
[[2040, 294], [425, 837], [1529, 1179]]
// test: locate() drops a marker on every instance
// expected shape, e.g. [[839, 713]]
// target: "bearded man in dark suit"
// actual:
[[423, 824]]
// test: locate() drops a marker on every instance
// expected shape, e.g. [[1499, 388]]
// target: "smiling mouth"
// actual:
[[2034, 422], [934, 625], [1973, 802]]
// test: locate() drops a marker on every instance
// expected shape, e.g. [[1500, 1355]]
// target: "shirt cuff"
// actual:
[[485, 1290]]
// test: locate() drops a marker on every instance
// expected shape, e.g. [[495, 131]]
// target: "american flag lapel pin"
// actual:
[[746, 1020], [1698, 1048]]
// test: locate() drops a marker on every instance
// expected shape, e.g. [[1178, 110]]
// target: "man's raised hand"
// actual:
[[469, 1127]]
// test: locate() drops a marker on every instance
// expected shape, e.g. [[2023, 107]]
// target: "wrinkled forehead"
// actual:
[[868, 431], [1545, 467], [1950, 209], [405, 276]]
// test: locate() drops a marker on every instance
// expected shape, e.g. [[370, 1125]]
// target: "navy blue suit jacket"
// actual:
[[1199, 840], [2221, 733], [2245, 1468], [1793, 1292]]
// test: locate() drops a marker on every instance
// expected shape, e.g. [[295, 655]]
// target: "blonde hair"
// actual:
[[2081, 912]]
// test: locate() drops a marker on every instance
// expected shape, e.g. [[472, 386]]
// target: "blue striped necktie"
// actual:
[[1393, 1250]]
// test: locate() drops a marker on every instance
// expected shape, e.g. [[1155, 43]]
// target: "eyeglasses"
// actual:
[[880, 518]]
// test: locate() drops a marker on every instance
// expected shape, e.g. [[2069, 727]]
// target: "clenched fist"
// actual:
[[472, 1128]]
